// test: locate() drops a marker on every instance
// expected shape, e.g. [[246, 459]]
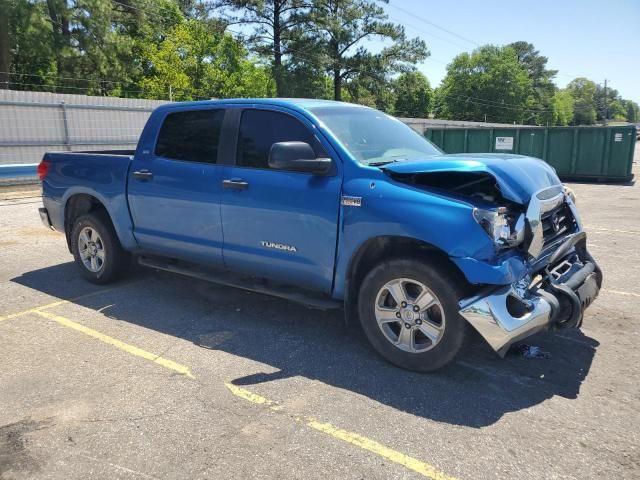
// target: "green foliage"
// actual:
[[367, 90], [632, 111], [199, 61], [562, 107], [583, 92], [490, 81], [32, 54], [412, 95]]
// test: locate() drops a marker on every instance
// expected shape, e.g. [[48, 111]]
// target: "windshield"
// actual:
[[373, 137]]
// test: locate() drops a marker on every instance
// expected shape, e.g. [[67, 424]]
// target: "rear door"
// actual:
[[174, 188], [279, 224]]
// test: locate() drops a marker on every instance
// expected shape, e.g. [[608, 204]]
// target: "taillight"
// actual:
[[43, 169]]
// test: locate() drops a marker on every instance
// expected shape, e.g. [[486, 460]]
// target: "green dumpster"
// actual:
[[595, 153]]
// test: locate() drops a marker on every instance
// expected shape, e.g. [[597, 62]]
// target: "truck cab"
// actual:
[[334, 204]]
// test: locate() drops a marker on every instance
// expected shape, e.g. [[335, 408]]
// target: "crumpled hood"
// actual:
[[518, 177]]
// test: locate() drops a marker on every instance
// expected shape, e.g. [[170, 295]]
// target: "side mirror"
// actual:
[[297, 157]]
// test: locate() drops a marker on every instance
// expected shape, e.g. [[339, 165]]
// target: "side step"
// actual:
[[230, 279]]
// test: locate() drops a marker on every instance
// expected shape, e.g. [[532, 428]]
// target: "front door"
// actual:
[[174, 190], [278, 224]]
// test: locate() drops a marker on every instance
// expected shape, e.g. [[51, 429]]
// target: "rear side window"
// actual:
[[259, 129], [191, 135]]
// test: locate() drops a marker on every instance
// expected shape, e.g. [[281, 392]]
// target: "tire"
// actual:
[[107, 260], [423, 340]]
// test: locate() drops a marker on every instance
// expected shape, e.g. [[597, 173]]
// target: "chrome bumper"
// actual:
[[566, 287]]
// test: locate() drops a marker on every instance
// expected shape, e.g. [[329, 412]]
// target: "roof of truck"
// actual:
[[299, 103]]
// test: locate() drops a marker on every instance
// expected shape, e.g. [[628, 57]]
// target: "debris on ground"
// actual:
[[530, 351]]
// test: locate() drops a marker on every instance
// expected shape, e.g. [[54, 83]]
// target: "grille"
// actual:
[[557, 224]]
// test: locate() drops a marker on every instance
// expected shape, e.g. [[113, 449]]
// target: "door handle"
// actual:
[[143, 175], [236, 183]]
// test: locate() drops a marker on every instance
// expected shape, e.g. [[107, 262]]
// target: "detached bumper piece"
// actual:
[[556, 298], [44, 216]]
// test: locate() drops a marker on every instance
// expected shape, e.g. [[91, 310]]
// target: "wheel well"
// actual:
[[76, 206], [378, 249]]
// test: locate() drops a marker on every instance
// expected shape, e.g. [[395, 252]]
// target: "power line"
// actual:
[[435, 25], [58, 77], [66, 87], [457, 35]]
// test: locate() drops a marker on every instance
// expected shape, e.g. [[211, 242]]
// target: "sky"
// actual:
[[596, 39]]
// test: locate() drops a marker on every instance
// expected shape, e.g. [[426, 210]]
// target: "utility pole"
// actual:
[[170, 94], [5, 58], [606, 103]]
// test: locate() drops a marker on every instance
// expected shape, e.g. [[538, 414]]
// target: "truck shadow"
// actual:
[[475, 391]]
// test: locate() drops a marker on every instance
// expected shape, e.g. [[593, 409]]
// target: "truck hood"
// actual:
[[518, 177]]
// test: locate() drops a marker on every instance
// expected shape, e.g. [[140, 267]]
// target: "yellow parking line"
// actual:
[[62, 302], [365, 443], [166, 363], [618, 292], [614, 230]]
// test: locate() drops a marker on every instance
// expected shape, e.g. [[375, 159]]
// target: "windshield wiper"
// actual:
[[379, 164]]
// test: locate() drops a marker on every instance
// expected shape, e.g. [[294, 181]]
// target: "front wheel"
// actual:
[[409, 312], [96, 248]]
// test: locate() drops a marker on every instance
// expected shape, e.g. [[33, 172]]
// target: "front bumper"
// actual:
[[555, 298]]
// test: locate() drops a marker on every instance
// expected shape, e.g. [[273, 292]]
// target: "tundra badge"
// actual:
[[279, 246]]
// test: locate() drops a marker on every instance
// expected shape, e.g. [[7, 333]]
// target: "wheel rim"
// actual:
[[91, 249], [409, 315]]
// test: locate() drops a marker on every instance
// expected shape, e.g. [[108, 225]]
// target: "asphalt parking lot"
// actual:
[[160, 376]]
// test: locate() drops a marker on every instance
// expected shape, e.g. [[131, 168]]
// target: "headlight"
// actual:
[[504, 227]]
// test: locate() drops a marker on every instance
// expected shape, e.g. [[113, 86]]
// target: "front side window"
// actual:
[[191, 135], [260, 129]]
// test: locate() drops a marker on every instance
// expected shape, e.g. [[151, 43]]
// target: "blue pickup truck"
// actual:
[[334, 205]]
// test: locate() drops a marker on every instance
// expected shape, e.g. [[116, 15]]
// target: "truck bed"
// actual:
[[101, 174]]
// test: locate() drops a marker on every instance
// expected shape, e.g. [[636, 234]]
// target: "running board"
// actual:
[[230, 279]]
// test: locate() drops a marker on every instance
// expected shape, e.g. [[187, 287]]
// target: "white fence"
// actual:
[[32, 123]]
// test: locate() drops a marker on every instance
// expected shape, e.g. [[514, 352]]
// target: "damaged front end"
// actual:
[[532, 219], [555, 297], [561, 282]]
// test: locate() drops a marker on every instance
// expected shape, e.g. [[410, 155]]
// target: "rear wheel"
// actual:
[[409, 312], [96, 248]]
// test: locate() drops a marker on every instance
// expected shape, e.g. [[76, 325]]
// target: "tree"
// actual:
[[89, 46], [339, 27], [583, 92], [198, 61], [30, 59], [413, 95], [275, 22], [632, 111], [4, 44], [542, 86], [562, 107], [489, 82], [368, 90]]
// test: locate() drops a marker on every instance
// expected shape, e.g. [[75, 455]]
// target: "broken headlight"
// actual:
[[504, 227], [569, 193]]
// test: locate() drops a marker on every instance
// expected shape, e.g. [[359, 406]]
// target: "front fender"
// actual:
[[391, 209]]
